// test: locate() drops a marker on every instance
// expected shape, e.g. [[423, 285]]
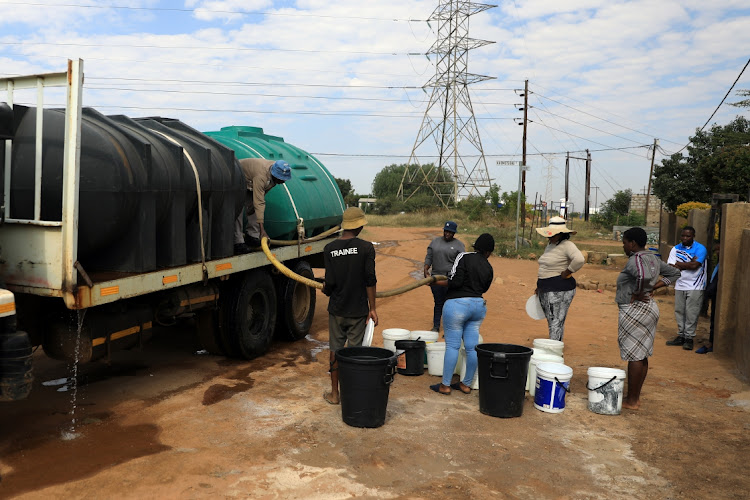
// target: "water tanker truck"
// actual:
[[109, 225]]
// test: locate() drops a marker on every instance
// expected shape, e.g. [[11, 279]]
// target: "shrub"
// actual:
[[685, 208]]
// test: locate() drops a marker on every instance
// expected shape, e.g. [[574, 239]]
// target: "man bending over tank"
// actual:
[[260, 177], [350, 283]]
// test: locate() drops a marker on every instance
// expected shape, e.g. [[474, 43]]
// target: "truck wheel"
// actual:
[[251, 314], [296, 304]]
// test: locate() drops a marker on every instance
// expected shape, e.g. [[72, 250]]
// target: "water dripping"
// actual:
[[70, 433]]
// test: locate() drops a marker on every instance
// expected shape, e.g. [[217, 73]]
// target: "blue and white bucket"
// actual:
[[552, 382]]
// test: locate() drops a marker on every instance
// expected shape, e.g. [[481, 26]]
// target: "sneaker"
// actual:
[[688, 345], [241, 248], [704, 350], [678, 340]]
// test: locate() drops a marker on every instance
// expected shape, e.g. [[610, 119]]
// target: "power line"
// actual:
[[286, 96], [609, 148], [722, 102], [601, 109], [194, 64], [212, 11], [600, 118], [588, 126], [187, 47], [253, 84]]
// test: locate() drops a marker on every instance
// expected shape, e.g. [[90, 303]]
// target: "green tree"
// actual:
[[345, 186], [388, 181], [718, 161], [745, 103], [614, 211], [494, 195]]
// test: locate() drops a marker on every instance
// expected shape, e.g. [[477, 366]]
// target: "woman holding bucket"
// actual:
[[464, 310], [555, 285], [639, 314]]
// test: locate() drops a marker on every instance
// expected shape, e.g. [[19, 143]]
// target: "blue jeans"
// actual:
[[438, 293], [461, 320]]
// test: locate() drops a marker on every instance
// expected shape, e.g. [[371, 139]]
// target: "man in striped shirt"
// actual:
[[689, 257]]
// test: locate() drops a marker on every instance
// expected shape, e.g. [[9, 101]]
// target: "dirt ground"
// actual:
[[169, 422]]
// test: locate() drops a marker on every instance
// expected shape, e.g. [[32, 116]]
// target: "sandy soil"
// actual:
[[167, 422]]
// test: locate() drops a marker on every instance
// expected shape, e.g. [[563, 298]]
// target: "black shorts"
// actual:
[[341, 329]]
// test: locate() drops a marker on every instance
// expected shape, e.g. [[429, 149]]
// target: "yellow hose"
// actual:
[[314, 284], [307, 240]]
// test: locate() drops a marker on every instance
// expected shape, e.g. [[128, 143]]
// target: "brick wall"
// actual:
[[638, 204]]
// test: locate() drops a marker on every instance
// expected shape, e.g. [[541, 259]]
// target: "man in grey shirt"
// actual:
[[440, 256]]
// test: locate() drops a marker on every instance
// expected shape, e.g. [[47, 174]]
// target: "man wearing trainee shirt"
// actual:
[[689, 257], [350, 283]]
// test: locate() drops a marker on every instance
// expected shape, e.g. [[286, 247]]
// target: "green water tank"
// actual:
[[312, 194]]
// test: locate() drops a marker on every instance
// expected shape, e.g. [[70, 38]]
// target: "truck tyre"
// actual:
[[296, 304], [251, 314]]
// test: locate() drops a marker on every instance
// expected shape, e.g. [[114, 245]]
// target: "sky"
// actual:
[[342, 79]]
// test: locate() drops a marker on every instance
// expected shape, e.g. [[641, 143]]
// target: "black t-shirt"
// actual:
[[471, 276], [350, 269]]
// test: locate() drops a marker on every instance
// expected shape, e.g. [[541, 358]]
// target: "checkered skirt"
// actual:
[[636, 329]]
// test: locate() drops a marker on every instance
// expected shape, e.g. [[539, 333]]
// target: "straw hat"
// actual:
[[556, 226], [353, 218]]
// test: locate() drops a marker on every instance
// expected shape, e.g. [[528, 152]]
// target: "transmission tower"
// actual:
[[461, 169]]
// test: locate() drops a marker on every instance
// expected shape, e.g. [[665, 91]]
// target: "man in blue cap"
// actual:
[[260, 177], [441, 254]]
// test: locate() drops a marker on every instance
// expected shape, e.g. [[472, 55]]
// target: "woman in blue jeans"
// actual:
[[464, 310]]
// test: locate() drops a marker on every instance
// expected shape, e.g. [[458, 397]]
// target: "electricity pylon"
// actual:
[[461, 169]]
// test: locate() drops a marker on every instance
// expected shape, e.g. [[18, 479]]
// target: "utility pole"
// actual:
[[523, 174], [596, 198], [588, 186], [650, 175], [567, 172]]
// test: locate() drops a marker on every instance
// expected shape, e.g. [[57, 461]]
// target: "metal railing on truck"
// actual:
[[40, 257]]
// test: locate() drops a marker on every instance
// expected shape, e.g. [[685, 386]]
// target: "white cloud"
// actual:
[[657, 67]]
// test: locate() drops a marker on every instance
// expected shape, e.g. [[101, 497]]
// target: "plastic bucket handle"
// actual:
[[499, 358], [566, 389], [390, 372], [605, 384]]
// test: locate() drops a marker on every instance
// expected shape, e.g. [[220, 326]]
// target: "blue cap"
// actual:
[[280, 169], [450, 226]]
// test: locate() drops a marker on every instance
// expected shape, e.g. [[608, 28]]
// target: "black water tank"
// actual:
[[138, 207]]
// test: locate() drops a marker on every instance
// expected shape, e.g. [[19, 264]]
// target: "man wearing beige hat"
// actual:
[[555, 285], [350, 283]]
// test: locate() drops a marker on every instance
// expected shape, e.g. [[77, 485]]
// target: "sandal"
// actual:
[[436, 388], [327, 396], [458, 387]]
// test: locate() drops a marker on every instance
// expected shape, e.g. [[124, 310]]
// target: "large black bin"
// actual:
[[365, 377], [502, 378]]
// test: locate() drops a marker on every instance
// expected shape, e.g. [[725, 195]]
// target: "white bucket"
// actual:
[[552, 382], [536, 358], [436, 356], [549, 346], [428, 337], [391, 335], [605, 390], [462, 363]]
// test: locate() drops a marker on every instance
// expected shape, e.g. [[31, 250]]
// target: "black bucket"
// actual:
[[365, 377], [502, 378], [411, 360]]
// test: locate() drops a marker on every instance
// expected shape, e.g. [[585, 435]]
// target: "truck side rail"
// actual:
[[38, 253]]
